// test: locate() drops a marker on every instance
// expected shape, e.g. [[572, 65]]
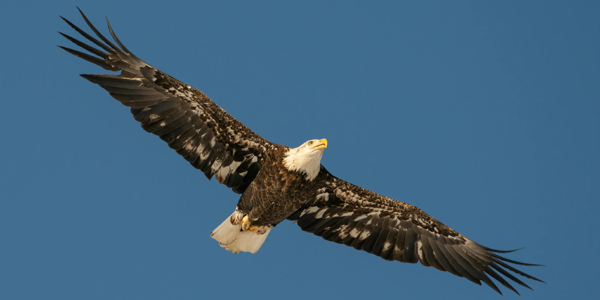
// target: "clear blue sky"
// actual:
[[486, 116]]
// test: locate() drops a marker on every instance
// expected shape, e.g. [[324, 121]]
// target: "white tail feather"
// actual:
[[231, 237]]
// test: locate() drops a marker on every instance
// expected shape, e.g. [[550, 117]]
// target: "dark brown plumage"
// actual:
[[272, 190]]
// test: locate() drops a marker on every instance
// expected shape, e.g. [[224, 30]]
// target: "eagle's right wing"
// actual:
[[184, 117], [347, 214]]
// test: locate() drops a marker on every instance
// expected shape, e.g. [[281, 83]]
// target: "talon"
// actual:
[[236, 218], [254, 228], [246, 223], [247, 226]]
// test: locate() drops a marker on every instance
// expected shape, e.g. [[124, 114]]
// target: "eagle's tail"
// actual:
[[231, 236]]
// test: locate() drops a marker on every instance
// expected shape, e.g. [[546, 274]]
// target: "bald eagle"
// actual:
[[277, 182]]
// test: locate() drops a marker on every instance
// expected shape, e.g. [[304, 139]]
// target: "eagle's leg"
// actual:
[[247, 226]]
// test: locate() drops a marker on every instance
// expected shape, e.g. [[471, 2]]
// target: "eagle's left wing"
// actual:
[[393, 230], [191, 123]]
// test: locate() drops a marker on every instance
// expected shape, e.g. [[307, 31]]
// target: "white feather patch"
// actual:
[[324, 196], [304, 159], [231, 237], [309, 210], [360, 217], [320, 214], [420, 250]]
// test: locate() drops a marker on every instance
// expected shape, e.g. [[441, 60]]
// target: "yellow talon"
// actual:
[[247, 226], [245, 223], [255, 228]]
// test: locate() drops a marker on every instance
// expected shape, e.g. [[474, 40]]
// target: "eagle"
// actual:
[[277, 182]]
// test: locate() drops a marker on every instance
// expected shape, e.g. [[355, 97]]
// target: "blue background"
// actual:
[[485, 115]]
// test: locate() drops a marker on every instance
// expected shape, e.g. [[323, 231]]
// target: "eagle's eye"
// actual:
[[310, 143]]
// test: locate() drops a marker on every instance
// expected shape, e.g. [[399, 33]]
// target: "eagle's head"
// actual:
[[306, 158]]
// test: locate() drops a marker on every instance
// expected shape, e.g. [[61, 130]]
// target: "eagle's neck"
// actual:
[[304, 160]]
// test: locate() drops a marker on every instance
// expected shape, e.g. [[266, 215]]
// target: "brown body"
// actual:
[[275, 193]]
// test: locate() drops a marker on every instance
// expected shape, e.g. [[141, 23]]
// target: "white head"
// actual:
[[306, 158]]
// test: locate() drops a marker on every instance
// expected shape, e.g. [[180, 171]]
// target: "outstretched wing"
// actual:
[[350, 215], [184, 117]]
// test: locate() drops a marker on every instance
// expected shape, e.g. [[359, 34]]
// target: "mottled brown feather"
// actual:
[[398, 231], [193, 125]]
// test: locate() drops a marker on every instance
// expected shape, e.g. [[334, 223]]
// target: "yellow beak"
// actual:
[[322, 144]]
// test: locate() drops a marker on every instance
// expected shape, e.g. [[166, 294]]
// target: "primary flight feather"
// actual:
[[278, 182]]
